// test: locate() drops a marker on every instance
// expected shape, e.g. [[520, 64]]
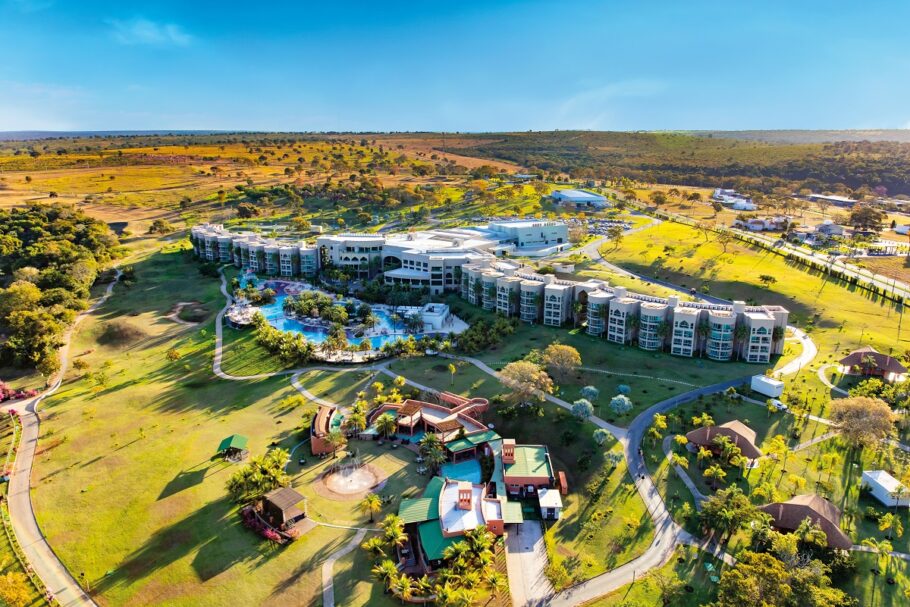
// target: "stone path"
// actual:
[[526, 562], [328, 585]]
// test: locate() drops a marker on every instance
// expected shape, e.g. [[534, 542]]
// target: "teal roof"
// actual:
[[234, 441], [511, 512], [419, 510], [432, 540], [471, 440], [434, 488]]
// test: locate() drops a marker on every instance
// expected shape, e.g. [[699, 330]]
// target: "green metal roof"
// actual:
[[530, 460], [234, 441], [434, 488], [419, 510], [511, 512], [432, 540], [471, 440]]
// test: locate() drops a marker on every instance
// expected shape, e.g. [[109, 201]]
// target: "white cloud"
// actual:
[[144, 31]]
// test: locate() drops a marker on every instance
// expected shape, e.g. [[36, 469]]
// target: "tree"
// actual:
[[892, 523], [882, 548], [591, 393], [767, 279], [375, 545], [261, 475], [724, 239], [864, 217], [561, 361], [621, 404], [703, 455], [726, 511], [658, 198], [669, 588], [862, 421], [337, 439], [452, 370], [386, 425], [496, 583], [527, 381], [371, 504], [716, 474], [393, 530], [582, 409], [601, 435], [15, 589]]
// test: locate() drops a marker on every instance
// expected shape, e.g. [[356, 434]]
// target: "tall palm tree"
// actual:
[[393, 530], [385, 571], [740, 332], [715, 473], [881, 548], [386, 424], [703, 330], [337, 439], [371, 504]]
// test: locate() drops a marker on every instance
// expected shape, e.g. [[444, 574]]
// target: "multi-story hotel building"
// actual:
[[466, 260]]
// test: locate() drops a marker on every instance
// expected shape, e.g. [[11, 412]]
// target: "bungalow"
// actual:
[[279, 508], [788, 516], [739, 434], [868, 361]]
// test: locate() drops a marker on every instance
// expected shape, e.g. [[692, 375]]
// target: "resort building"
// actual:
[[579, 198], [526, 469], [787, 517], [468, 261], [869, 361]]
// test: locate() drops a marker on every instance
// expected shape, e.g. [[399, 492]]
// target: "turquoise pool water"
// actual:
[[467, 470], [274, 313]]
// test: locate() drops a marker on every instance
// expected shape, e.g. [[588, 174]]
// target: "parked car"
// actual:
[[779, 405]]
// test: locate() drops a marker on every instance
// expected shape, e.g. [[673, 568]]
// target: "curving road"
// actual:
[[56, 578]]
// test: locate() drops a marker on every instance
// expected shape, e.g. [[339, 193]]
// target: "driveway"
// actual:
[[526, 560]]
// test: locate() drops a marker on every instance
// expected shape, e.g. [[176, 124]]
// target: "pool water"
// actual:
[[274, 314], [467, 470]]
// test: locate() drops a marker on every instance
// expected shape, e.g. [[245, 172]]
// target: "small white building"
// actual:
[[767, 386], [886, 489], [550, 504]]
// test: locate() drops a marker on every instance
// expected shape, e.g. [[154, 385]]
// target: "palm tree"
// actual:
[[892, 523], [375, 546], [393, 530], [371, 504], [403, 587], [496, 583], [424, 586], [337, 439], [715, 473], [356, 422], [881, 548], [452, 369], [435, 458], [577, 308], [370, 321], [386, 425], [703, 454], [740, 332], [632, 323], [385, 571]]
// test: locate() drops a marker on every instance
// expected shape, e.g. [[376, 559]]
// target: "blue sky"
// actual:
[[455, 66]]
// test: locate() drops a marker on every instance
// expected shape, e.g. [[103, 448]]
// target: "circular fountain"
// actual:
[[350, 478]]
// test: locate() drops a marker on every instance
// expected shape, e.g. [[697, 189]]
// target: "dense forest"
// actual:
[[50, 256], [881, 167]]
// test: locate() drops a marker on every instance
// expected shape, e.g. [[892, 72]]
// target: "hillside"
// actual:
[[704, 160]]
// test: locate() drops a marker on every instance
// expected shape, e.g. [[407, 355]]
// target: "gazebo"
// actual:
[[233, 447], [279, 507]]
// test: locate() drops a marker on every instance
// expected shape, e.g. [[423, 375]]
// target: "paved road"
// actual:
[[38, 552], [526, 561]]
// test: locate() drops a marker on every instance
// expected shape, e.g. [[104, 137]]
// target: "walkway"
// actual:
[[38, 552], [823, 377], [328, 583], [810, 351], [526, 563]]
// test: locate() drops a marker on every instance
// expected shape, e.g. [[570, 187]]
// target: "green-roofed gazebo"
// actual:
[[233, 447]]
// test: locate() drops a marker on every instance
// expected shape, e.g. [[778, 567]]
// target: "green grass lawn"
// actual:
[[243, 356], [687, 567], [337, 387], [603, 524], [873, 590], [125, 487]]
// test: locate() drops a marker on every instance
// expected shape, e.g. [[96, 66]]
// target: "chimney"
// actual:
[[465, 493], [672, 301], [508, 451], [619, 292], [739, 307]]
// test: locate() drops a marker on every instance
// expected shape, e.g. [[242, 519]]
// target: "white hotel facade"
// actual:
[[466, 260]]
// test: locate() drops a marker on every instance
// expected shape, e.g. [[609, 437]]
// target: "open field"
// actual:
[[159, 528], [896, 267]]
